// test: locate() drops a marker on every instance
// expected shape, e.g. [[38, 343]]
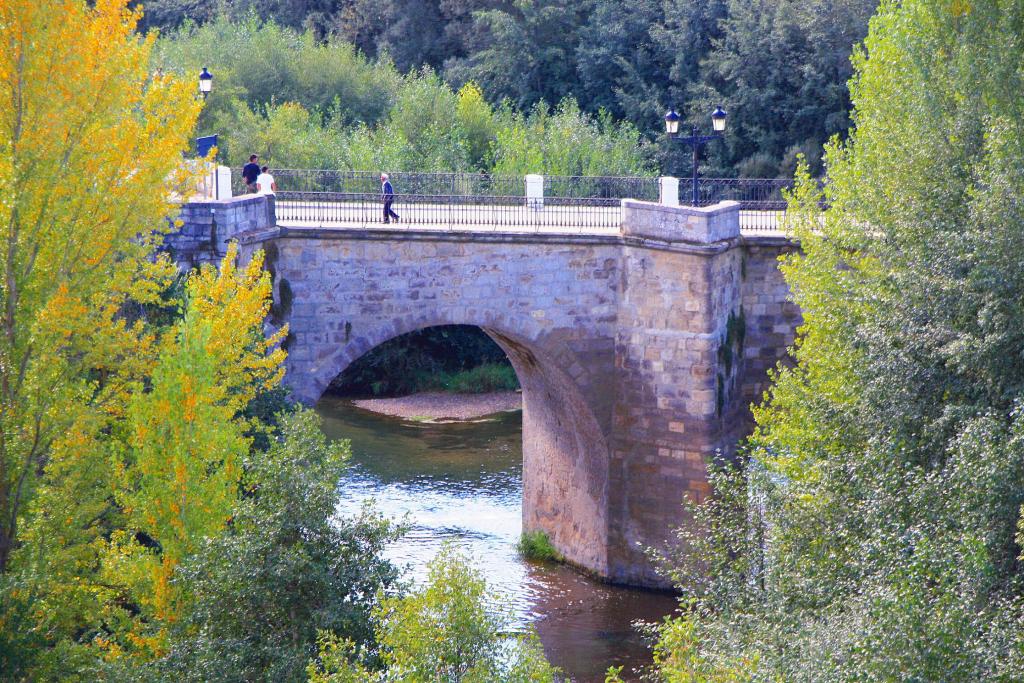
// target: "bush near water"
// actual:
[[536, 545]]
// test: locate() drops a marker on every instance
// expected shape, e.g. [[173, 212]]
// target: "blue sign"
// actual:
[[204, 144]]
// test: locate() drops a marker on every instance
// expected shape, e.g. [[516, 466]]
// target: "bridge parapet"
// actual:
[[698, 224], [208, 226]]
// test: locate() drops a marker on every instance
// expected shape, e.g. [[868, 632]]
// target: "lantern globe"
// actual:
[[718, 117], [672, 122], [205, 81]]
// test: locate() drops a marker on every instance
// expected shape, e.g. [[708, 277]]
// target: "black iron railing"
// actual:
[[644, 188], [760, 194], [449, 198], [354, 182], [446, 212]]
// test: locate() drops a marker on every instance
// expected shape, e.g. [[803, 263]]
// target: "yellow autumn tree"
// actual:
[[90, 147], [184, 440], [90, 152], [121, 436]]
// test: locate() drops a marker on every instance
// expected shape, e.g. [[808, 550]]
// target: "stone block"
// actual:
[[699, 225]]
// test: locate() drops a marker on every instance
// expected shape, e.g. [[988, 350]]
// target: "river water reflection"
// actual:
[[462, 482]]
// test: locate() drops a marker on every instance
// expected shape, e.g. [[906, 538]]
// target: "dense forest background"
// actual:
[[556, 86]]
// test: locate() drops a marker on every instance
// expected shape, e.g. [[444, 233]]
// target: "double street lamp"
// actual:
[[695, 140]]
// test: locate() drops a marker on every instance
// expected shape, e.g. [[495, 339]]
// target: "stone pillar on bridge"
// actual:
[[208, 226], [535, 191], [668, 191], [678, 349]]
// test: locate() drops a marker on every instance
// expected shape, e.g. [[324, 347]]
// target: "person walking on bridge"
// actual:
[[250, 172], [387, 194], [265, 183]]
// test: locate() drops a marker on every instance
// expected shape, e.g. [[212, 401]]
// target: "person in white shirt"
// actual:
[[265, 182]]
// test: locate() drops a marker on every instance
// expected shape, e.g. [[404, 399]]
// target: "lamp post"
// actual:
[[694, 140], [205, 82]]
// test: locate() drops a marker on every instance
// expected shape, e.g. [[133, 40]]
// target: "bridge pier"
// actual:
[[638, 352], [680, 334]]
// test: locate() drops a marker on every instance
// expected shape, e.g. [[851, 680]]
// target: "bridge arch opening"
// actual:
[[565, 453], [451, 358]]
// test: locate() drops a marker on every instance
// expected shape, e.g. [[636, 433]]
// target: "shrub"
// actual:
[[445, 632], [536, 545], [483, 378]]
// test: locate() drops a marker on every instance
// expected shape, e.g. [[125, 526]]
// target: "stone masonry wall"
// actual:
[[696, 225], [551, 306], [676, 299], [208, 226], [771, 317]]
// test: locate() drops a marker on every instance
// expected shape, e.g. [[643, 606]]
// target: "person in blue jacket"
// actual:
[[250, 172], [388, 195]]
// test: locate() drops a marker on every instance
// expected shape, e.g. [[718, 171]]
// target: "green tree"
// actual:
[[261, 63], [425, 125], [780, 68], [286, 569], [477, 123], [622, 66], [283, 135], [449, 630], [874, 533], [525, 51], [567, 142]]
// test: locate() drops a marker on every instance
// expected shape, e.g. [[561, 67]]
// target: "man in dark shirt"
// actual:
[[250, 172], [387, 194]]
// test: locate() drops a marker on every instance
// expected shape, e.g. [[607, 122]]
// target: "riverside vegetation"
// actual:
[[535, 545], [164, 514], [876, 531]]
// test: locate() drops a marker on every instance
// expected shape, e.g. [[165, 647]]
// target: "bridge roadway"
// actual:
[[552, 218]]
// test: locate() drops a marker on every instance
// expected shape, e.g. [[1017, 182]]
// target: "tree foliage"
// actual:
[[78, 161], [286, 569], [447, 631], [138, 492], [874, 536], [300, 103], [186, 436], [779, 67]]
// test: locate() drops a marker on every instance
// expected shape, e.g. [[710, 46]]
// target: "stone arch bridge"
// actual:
[[639, 350]]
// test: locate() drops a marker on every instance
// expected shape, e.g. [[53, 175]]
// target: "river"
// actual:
[[462, 482]]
